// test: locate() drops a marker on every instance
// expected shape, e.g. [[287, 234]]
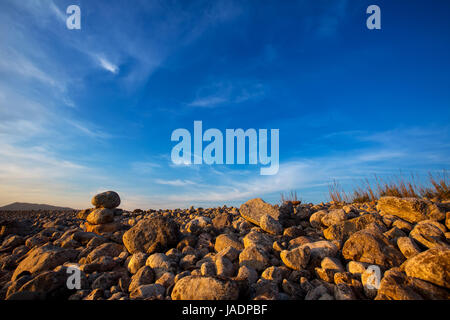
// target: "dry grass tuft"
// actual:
[[438, 187], [290, 197]]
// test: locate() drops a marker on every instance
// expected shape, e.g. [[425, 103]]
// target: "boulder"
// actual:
[[270, 225], [83, 214], [321, 249], [296, 259], [109, 249], [103, 228], [224, 241], [333, 217], [316, 218], [371, 247], [136, 262], [344, 229], [410, 209], [204, 288], [222, 220], [259, 239], [160, 264], [108, 199], [395, 285], [143, 276], [156, 234], [432, 265], [407, 247], [254, 209], [254, 257], [100, 216], [44, 258], [429, 233], [148, 292]]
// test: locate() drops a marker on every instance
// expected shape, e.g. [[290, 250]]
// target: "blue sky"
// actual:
[[87, 110]]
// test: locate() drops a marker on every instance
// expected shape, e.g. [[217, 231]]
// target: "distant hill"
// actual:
[[20, 206]]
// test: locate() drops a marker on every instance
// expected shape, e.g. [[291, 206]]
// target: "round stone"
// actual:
[[108, 199]]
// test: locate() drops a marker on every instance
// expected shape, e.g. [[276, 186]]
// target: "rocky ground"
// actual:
[[393, 249]]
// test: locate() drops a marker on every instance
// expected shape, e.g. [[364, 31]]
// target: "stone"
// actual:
[[393, 234], [188, 262], [254, 209], [44, 258], [222, 220], [296, 259], [103, 228], [371, 247], [293, 232], [328, 268], [265, 290], [224, 267], [160, 264], [316, 218], [96, 294], [50, 284], [317, 293], [181, 275], [396, 285], [196, 225], [343, 230], [333, 217], [292, 289], [332, 264], [254, 257], [247, 274], [230, 253], [16, 227], [343, 291], [11, 242], [166, 280], [273, 274], [108, 199], [270, 225], [356, 268], [428, 234], [321, 249], [100, 216], [156, 234], [106, 280], [409, 209], [143, 276], [403, 225], [83, 214], [407, 247], [137, 261], [149, 291], [208, 269], [101, 264], [109, 249], [204, 288], [255, 238], [432, 265], [224, 241]]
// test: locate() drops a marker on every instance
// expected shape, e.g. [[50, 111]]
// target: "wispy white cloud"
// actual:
[[175, 183], [107, 65], [227, 92]]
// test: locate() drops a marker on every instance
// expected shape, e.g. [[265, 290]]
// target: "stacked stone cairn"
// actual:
[[100, 219]]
